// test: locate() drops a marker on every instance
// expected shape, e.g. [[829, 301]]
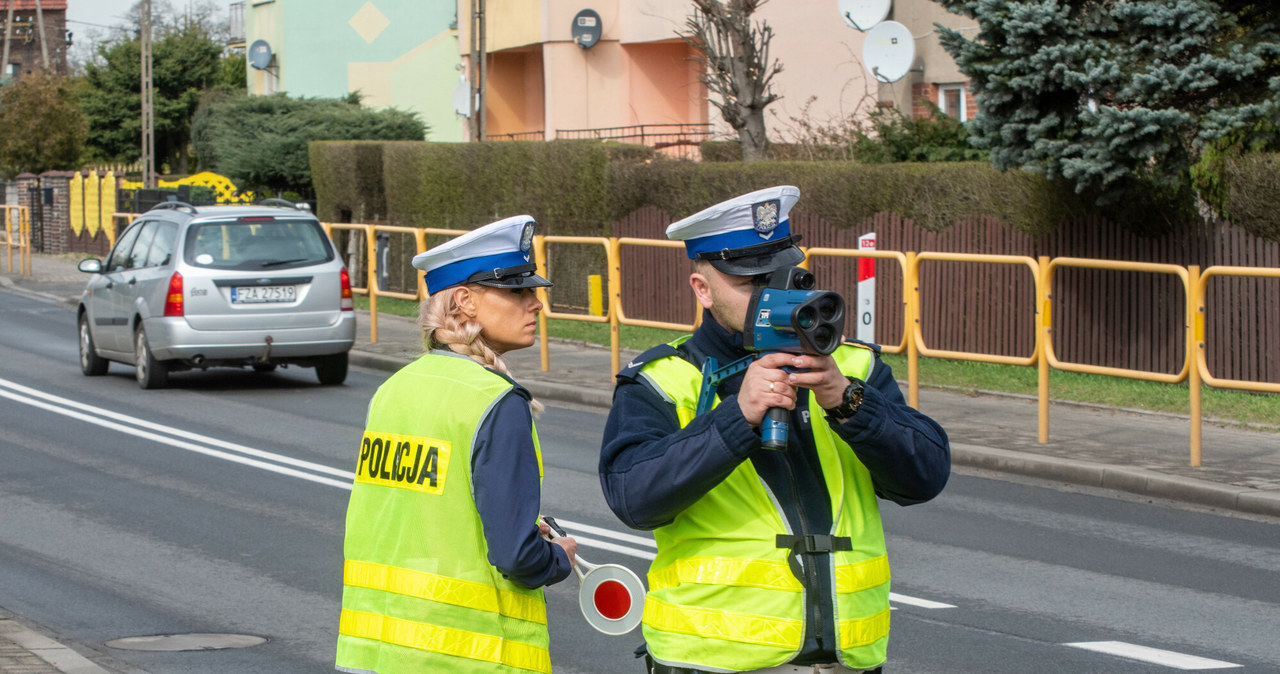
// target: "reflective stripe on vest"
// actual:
[[732, 603], [419, 594], [445, 590], [444, 640]]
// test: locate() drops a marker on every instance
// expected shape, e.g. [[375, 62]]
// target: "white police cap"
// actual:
[[743, 236], [494, 255]]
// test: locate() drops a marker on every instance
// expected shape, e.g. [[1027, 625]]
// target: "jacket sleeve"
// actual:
[[651, 469], [906, 452], [507, 491]]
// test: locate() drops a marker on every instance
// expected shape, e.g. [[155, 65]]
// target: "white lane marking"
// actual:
[[915, 601], [172, 442], [608, 533], [613, 547], [1152, 655], [177, 432]]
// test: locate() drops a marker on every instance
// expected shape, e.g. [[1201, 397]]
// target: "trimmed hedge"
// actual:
[[1253, 187], [581, 187], [347, 176]]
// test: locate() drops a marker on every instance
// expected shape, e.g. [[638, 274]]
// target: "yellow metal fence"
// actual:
[[17, 234], [1193, 369]]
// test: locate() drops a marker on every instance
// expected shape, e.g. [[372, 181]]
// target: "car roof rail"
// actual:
[[174, 205], [283, 202]]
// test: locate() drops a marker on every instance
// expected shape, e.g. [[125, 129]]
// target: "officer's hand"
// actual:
[[820, 375], [570, 546], [765, 386]]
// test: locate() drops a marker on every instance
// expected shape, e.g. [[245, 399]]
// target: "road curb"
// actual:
[[60, 657], [1125, 479]]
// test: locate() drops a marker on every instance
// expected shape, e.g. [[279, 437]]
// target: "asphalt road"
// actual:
[[216, 506]]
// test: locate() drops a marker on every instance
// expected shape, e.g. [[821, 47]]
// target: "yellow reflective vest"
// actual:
[[722, 595], [419, 594]]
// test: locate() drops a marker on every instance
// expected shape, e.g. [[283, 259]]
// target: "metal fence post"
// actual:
[[1043, 328], [1195, 341]]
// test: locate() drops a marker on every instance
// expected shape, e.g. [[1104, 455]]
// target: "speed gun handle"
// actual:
[[773, 430]]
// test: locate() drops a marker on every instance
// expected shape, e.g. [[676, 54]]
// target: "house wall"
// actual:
[[28, 47], [396, 53]]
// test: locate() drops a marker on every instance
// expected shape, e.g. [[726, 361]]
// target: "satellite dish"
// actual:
[[260, 54], [586, 28], [462, 97], [864, 14], [888, 51]]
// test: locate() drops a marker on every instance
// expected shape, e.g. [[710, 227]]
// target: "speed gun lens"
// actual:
[[805, 317]]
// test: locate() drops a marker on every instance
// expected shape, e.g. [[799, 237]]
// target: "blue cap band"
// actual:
[[457, 273], [738, 238]]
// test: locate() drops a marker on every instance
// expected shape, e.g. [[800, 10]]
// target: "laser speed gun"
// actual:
[[788, 315]]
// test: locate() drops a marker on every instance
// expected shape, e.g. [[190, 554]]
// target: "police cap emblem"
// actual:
[[764, 215], [526, 238]]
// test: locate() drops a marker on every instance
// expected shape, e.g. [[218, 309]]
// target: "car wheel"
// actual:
[[332, 370], [91, 364], [264, 367], [151, 373]]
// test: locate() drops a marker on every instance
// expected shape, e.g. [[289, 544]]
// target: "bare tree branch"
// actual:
[[736, 67]]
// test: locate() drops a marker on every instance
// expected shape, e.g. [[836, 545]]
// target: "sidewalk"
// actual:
[[1124, 450]]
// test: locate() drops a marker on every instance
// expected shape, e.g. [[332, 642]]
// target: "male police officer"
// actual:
[[767, 560]]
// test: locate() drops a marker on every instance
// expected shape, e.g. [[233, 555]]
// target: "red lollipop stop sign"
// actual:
[[611, 596]]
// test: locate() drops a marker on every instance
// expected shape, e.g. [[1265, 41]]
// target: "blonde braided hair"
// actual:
[[446, 326]]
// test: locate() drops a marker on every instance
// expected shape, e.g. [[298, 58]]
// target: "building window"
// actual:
[[952, 101]]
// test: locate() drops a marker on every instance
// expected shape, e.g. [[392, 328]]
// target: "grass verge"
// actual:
[[1223, 405]]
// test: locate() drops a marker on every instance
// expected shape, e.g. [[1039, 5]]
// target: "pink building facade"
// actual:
[[542, 85]]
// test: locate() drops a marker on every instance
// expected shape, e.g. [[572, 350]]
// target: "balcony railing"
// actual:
[[674, 140]]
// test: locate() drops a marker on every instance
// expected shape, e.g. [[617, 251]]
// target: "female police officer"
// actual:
[[445, 558]]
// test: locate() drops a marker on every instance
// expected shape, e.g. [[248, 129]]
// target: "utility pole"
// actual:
[[148, 103], [44, 42], [478, 71], [8, 37]]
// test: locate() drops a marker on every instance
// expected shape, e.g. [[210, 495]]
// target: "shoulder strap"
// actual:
[[630, 370]]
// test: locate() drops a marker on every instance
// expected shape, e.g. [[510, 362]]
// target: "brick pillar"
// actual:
[[57, 216], [24, 183]]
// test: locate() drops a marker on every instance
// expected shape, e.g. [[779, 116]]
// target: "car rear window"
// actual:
[[257, 244]]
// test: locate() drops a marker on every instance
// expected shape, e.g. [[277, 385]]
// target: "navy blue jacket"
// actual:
[[504, 483], [651, 469]]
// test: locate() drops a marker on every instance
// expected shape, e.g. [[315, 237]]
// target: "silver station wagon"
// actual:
[[218, 286]]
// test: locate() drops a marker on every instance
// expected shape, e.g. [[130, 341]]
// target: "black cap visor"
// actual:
[[520, 276], [759, 259]]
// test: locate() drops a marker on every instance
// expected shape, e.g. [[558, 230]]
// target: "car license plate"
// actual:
[[260, 294]]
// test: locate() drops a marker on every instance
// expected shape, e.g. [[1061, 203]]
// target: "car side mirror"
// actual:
[[90, 266]]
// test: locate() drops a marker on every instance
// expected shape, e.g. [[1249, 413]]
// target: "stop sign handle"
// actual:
[[616, 577]]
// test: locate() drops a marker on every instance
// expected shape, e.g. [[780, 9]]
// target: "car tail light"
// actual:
[[173, 300], [347, 303]]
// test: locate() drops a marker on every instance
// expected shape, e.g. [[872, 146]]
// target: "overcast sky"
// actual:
[[100, 12], [92, 20]]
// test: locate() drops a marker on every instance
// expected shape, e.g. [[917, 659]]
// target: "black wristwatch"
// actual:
[[851, 402]]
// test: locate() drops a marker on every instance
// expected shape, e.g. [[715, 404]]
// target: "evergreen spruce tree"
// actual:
[[1107, 93]]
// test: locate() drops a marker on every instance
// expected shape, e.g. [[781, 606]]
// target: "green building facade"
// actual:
[[396, 53]]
